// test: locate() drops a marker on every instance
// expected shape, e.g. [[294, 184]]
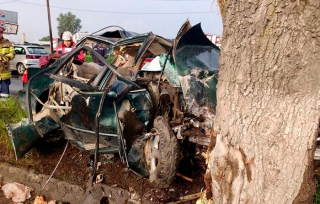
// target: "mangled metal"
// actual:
[[24, 138], [197, 62], [137, 100]]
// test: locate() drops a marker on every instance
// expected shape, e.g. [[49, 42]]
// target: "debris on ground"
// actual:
[[41, 200], [186, 198], [17, 192]]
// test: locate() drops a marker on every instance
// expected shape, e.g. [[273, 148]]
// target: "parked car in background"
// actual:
[[26, 55]]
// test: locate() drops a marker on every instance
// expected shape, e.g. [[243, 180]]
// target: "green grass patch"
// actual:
[[10, 112], [88, 58]]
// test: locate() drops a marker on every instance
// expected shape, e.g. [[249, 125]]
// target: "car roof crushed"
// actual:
[[142, 95]]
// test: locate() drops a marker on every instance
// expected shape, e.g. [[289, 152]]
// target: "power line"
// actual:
[[7, 2], [120, 12]]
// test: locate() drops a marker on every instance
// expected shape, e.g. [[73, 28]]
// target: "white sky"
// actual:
[[162, 17]]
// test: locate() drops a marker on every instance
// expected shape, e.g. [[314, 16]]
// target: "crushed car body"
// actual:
[[138, 99]]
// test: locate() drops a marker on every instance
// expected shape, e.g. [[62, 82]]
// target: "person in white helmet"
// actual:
[[66, 46]]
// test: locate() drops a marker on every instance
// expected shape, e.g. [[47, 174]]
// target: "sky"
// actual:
[[162, 17]]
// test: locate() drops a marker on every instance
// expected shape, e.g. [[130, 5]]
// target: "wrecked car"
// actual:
[[138, 100]]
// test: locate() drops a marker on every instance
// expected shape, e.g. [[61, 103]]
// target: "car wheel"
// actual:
[[20, 68], [162, 152]]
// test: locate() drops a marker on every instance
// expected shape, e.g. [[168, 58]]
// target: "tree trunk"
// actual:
[[268, 102]]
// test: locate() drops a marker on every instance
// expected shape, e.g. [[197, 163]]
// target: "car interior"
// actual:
[[19, 51], [127, 60]]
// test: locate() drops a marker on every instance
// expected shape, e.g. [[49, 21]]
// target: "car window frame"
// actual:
[[108, 73], [20, 51]]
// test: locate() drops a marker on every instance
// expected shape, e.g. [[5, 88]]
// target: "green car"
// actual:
[[136, 96]]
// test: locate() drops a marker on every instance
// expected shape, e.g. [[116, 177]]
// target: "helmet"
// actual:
[[67, 35]]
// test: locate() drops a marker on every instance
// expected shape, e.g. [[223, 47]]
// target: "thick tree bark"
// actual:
[[268, 102]]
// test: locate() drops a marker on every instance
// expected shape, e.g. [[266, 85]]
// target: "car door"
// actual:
[[80, 122], [20, 56], [79, 125]]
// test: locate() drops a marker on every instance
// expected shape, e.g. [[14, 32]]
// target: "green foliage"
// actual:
[[45, 38], [10, 112], [88, 58], [110, 59], [68, 22]]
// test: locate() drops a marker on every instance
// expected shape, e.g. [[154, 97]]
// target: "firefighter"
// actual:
[[6, 54]]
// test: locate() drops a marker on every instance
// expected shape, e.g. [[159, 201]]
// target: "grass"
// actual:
[[10, 112], [88, 58]]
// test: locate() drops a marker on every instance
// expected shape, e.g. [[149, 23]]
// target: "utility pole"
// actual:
[[50, 30]]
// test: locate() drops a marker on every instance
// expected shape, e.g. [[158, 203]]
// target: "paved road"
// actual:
[[16, 83]]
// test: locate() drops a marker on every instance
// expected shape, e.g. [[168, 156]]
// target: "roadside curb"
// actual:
[[60, 190]]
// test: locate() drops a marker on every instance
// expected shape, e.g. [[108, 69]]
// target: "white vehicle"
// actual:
[[26, 55]]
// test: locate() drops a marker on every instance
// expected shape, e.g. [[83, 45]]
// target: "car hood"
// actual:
[[197, 62]]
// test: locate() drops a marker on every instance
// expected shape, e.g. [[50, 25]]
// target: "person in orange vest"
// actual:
[[7, 53]]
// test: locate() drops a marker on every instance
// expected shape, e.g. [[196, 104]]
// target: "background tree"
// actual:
[[68, 22], [45, 38], [268, 102]]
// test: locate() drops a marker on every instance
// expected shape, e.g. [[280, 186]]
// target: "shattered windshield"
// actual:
[[197, 66], [197, 56]]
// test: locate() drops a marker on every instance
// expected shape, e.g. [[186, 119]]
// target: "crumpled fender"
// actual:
[[25, 135]]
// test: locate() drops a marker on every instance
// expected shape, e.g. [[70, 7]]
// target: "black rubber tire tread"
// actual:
[[167, 165]]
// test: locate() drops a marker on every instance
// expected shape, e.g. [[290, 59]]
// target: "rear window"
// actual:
[[37, 50]]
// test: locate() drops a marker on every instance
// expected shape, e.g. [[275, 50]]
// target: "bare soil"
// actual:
[[75, 168]]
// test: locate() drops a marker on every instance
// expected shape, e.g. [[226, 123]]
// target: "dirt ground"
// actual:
[[75, 168]]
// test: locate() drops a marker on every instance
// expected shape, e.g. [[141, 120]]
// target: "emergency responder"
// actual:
[[6, 54], [66, 46]]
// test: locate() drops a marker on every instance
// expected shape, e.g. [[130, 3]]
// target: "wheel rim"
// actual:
[[152, 153], [20, 68]]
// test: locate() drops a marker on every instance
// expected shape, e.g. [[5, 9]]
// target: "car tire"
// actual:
[[165, 157], [20, 68]]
